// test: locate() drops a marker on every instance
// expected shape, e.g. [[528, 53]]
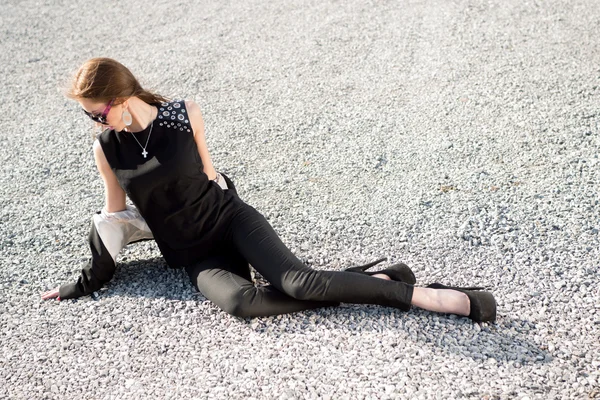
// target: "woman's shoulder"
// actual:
[[174, 114], [105, 136], [106, 144]]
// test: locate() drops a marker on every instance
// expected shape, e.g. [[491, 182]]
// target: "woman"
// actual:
[[154, 151]]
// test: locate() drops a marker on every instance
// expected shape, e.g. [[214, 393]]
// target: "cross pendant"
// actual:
[[145, 153]]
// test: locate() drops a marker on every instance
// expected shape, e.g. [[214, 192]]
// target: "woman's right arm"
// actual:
[[114, 194], [112, 229]]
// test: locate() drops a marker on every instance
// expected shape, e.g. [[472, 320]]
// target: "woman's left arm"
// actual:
[[197, 123]]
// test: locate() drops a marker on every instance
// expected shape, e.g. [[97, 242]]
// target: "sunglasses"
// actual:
[[102, 117]]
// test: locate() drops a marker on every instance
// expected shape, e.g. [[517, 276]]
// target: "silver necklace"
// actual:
[[144, 152]]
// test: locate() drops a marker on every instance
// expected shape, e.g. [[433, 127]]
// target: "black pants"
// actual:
[[225, 278]]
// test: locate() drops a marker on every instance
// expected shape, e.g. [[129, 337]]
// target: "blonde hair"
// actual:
[[103, 79]]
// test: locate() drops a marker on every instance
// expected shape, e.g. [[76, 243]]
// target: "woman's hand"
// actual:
[[50, 294]]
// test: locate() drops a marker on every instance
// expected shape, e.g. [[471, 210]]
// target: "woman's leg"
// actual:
[[258, 243], [256, 240], [225, 280]]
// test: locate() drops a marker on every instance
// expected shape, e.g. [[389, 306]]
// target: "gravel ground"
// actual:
[[460, 137]]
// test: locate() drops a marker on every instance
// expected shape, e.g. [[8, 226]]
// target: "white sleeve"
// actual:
[[118, 229]]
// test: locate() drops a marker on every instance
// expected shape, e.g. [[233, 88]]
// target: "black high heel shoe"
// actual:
[[483, 304], [398, 272]]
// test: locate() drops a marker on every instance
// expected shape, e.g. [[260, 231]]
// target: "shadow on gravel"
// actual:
[[494, 344], [505, 341], [150, 278]]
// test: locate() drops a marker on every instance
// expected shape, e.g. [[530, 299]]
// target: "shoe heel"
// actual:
[[363, 268], [440, 286], [398, 272]]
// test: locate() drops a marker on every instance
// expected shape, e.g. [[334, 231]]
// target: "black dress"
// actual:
[[187, 212]]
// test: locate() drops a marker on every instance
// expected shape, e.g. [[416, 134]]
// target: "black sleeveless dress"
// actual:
[[187, 213]]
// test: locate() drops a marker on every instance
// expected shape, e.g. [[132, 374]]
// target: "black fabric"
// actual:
[[96, 272], [183, 208], [225, 280]]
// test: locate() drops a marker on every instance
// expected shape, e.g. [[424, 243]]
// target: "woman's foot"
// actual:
[[480, 306], [443, 301]]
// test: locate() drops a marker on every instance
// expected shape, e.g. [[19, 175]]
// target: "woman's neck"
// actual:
[[143, 114]]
